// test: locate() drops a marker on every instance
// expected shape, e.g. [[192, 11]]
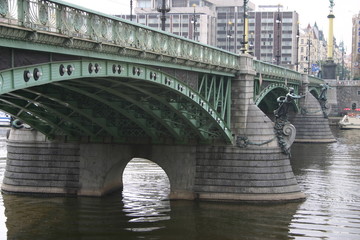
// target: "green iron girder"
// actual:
[[166, 119], [315, 91], [217, 90], [272, 89], [47, 115], [128, 114], [150, 103]]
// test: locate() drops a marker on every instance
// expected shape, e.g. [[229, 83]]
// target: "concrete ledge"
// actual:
[[297, 196], [331, 140], [182, 195], [36, 190]]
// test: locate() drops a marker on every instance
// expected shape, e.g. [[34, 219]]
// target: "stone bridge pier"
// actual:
[[312, 124], [253, 168]]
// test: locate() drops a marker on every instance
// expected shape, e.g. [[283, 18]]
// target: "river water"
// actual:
[[328, 173]]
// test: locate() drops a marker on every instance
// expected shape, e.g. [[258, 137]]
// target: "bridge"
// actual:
[[98, 91]]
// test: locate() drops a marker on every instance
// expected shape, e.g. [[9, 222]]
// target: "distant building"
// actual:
[[193, 19], [312, 50], [355, 53], [273, 34]]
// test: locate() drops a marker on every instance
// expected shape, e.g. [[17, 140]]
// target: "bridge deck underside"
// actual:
[[111, 109]]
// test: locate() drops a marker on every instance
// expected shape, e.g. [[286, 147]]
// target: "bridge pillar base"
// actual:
[[311, 125], [285, 197], [233, 174], [36, 165], [39, 167], [182, 195]]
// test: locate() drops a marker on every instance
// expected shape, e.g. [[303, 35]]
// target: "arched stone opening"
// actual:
[[314, 93], [144, 180], [269, 103]]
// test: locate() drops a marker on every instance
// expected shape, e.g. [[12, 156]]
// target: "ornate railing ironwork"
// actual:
[[73, 22]]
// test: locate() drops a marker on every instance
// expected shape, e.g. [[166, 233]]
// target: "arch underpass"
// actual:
[[267, 99], [113, 101]]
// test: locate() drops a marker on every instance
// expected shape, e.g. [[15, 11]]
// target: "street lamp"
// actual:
[[251, 44], [309, 54], [229, 34], [131, 7], [163, 9], [244, 40], [297, 47], [278, 22], [193, 21]]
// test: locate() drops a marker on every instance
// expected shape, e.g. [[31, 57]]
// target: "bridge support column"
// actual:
[[311, 125], [254, 168], [36, 165]]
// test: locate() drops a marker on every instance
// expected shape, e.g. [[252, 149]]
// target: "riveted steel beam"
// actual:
[[50, 114]]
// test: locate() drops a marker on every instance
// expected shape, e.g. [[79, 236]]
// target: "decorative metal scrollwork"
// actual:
[[43, 14], [285, 133], [4, 7], [104, 28], [243, 142], [78, 21]]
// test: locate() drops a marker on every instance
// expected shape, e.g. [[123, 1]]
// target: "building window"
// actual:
[[144, 3], [179, 3]]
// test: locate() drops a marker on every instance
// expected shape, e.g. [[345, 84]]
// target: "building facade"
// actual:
[[355, 53], [273, 34], [312, 50], [193, 19]]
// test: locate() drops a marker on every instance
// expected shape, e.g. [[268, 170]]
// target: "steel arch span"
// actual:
[[315, 91], [266, 99], [100, 100]]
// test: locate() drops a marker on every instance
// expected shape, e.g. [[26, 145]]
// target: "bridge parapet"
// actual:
[[276, 71], [283, 73], [59, 23]]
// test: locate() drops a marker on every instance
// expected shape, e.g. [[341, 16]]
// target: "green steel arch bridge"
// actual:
[[72, 72], [103, 90]]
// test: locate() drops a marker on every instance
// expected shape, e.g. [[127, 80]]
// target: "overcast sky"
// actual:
[[310, 11]]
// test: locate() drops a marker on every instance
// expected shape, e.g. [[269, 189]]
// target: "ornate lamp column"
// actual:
[[297, 47], [246, 28], [278, 51], [229, 35], [131, 7], [329, 68], [193, 21], [163, 9]]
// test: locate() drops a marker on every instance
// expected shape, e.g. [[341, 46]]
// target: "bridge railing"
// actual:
[[315, 81], [74, 22], [283, 73], [276, 71]]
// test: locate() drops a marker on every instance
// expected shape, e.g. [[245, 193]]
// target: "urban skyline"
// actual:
[[310, 12]]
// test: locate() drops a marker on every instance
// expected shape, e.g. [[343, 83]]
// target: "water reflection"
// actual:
[[328, 174], [144, 195]]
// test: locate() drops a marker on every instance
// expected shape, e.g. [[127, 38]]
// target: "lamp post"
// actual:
[[131, 7], [342, 60], [229, 34], [329, 68], [309, 54], [163, 9], [251, 44], [297, 47], [278, 52], [244, 40], [193, 21]]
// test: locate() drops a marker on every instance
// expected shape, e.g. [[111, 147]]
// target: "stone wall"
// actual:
[[342, 95], [347, 95]]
